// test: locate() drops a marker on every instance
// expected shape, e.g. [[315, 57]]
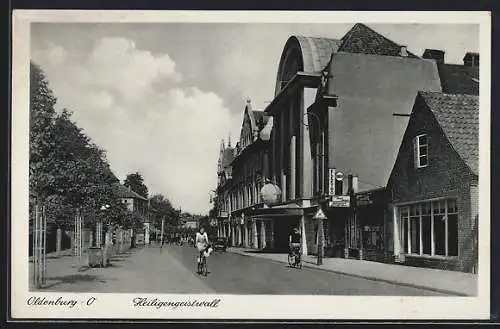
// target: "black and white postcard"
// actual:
[[250, 165]]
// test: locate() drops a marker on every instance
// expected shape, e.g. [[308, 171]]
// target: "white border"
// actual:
[[239, 306]]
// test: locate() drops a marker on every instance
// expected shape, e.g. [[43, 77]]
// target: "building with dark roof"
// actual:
[[333, 113], [434, 184], [456, 78], [250, 166], [334, 129]]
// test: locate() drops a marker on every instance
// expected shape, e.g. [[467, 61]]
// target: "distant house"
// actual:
[[189, 222], [138, 205], [434, 184]]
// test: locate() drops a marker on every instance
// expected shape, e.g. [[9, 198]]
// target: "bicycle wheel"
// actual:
[[299, 262], [291, 260], [205, 269]]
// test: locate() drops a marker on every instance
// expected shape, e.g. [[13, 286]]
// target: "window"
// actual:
[[421, 151], [429, 228]]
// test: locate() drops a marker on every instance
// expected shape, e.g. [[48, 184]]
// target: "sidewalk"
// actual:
[[463, 284], [139, 270]]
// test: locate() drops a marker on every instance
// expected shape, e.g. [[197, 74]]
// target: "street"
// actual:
[[172, 269]]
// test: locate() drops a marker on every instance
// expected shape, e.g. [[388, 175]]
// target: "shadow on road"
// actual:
[[72, 279], [266, 251]]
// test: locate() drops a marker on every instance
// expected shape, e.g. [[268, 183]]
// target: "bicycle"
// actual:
[[294, 258], [202, 266], [202, 263]]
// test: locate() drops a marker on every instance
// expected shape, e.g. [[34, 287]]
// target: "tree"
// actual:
[[164, 210], [136, 183], [42, 115], [67, 171]]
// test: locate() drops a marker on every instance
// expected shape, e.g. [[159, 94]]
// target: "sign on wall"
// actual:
[[340, 201], [331, 181]]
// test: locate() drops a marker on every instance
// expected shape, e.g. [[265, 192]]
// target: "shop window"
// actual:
[[430, 228], [439, 235], [421, 151], [453, 235], [415, 235]]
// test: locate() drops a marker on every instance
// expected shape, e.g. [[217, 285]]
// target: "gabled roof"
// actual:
[[362, 39], [458, 116], [459, 79], [260, 116], [125, 192]]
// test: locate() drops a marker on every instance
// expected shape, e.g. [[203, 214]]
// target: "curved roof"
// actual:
[[316, 52]]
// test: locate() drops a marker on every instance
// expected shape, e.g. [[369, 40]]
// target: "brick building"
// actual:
[[434, 184]]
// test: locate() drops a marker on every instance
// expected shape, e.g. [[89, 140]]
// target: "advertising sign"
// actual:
[[339, 175], [331, 181], [340, 201]]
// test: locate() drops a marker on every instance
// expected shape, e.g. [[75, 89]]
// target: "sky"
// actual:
[[159, 98]]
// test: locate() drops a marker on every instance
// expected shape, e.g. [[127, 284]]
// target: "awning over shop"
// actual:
[[291, 209]]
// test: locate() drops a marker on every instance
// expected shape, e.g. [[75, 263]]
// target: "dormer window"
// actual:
[[421, 151]]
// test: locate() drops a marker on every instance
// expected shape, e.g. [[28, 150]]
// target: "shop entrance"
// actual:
[[282, 229], [335, 237]]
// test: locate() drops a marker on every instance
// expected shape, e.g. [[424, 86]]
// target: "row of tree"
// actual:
[[68, 173]]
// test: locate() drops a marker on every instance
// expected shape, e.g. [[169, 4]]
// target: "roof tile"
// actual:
[[364, 40], [458, 116]]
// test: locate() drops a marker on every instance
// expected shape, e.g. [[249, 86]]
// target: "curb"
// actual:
[[411, 285]]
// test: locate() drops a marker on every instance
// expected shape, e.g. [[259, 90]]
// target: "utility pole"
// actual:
[[162, 228]]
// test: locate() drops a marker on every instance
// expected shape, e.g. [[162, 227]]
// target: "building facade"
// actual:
[[434, 184], [250, 170], [339, 117], [139, 206], [223, 191]]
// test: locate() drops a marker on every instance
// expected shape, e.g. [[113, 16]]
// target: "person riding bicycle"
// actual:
[[295, 241], [201, 242]]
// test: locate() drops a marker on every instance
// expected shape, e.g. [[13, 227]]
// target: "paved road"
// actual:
[[236, 274], [173, 270]]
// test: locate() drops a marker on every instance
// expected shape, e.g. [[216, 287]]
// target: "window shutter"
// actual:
[[415, 152]]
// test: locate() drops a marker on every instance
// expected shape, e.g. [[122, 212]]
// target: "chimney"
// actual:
[[403, 51], [435, 54], [471, 59]]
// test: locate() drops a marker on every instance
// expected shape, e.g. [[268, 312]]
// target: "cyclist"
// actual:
[[295, 243], [201, 243]]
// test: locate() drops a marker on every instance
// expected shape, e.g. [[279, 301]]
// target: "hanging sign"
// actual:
[[331, 181]]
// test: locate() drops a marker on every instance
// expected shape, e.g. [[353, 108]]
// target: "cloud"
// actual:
[[126, 99]]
